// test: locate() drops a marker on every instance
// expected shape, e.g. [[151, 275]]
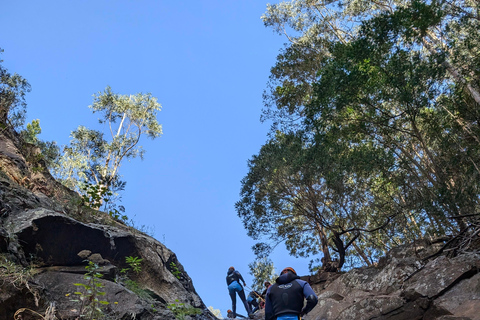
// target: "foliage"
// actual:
[[96, 196], [180, 310], [262, 270], [14, 274], [134, 264], [92, 158], [12, 98], [89, 296], [375, 134], [30, 134], [174, 270], [50, 152], [216, 312]]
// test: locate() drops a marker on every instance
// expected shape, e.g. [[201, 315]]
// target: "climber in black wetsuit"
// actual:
[[284, 299]]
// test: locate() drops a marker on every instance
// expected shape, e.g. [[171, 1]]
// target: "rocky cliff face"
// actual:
[[47, 238], [403, 286]]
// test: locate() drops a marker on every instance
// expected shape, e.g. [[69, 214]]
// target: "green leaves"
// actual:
[[88, 297], [174, 270], [375, 127], [134, 263], [262, 270], [13, 88], [181, 310]]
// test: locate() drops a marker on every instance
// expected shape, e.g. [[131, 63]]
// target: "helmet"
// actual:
[[287, 270], [231, 268]]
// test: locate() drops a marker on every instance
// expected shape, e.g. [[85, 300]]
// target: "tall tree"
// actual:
[[91, 157]]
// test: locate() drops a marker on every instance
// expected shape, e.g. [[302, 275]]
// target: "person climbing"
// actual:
[[252, 301], [267, 285], [264, 293], [233, 282], [284, 299]]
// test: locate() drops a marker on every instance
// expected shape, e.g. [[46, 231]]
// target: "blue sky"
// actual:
[[208, 63]]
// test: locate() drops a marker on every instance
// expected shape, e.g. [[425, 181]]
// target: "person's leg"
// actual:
[[241, 294], [233, 296], [255, 305]]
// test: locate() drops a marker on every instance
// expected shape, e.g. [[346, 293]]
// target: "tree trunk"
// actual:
[[324, 243]]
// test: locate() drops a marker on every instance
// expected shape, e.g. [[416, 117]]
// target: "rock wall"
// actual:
[[403, 286], [47, 236]]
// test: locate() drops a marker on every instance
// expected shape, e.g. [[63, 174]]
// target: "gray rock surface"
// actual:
[[403, 287]]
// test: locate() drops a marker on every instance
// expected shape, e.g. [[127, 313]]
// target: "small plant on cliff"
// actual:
[[180, 310], [134, 264], [14, 274], [174, 270], [88, 297]]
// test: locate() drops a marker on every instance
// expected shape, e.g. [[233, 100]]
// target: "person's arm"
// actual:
[[241, 278], [311, 298]]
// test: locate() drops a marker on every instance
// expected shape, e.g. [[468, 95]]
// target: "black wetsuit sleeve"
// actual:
[[239, 276], [311, 298]]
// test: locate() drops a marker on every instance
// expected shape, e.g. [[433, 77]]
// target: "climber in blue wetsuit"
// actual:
[[234, 287], [252, 301], [284, 300]]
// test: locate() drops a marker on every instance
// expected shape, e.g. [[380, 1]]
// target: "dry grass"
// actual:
[[49, 313]]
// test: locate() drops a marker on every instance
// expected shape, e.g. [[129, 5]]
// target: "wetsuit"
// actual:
[[252, 301], [284, 299], [234, 286]]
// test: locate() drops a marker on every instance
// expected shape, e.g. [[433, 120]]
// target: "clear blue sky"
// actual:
[[207, 62]]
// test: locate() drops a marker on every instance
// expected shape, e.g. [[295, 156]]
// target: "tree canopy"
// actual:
[[375, 129]]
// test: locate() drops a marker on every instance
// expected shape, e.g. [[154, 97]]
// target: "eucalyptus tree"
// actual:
[[94, 157]]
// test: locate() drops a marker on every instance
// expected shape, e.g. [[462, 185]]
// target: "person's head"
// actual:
[[288, 269], [267, 284], [231, 269]]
